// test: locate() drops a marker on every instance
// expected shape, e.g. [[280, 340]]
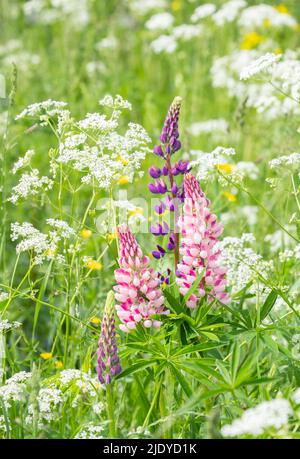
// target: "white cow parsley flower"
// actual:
[[258, 15], [23, 161], [14, 389], [203, 11], [30, 184], [164, 44], [38, 110], [262, 64], [254, 421], [160, 21], [5, 325]]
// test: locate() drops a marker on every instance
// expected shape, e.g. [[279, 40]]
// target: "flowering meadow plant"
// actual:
[[150, 227]]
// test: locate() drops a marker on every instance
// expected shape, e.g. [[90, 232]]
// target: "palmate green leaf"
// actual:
[[196, 369], [195, 348], [173, 302], [235, 360], [136, 367], [181, 379], [268, 304]]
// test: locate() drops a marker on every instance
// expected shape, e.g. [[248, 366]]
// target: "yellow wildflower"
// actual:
[[122, 160], [95, 320], [282, 9], [85, 233], [93, 265], [266, 23], [228, 168], [176, 5], [230, 196], [251, 40], [123, 180], [278, 51], [58, 364], [46, 355], [136, 211]]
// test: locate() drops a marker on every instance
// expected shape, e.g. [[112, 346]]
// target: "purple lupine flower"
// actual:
[[170, 144], [108, 363], [159, 187], [160, 230], [160, 208], [154, 172], [159, 253]]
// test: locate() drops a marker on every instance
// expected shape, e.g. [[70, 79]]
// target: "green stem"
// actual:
[[110, 410]]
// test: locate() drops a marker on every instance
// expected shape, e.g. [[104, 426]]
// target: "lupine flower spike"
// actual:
[[108, 364], [200, 232], [138, 291], [170, 144]]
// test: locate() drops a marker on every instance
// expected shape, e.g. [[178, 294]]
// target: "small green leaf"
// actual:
[[268, 304]]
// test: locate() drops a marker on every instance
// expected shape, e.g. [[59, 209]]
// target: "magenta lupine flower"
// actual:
[[108, 364], [200, 232], [138, 292], [170, 144]]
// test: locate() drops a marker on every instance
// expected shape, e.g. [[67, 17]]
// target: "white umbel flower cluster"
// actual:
[[23, 161], [95, 147], [262, 64], [205, 163], [30, 184], [48, 107], [259, 15], [160, 21], [272, 414], [275, 90], [203, 11], [242, 262], [90, 431], [14, 388], [6, 326]]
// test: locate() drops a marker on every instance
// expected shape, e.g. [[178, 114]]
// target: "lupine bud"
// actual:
[[200, 231], [170, 133], [154, 172], [159, 253], [138, 292], [158, 151], [108, 364], [160, 209], [160, 230]]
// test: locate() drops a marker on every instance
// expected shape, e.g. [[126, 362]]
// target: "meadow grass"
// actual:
[[203, 373]]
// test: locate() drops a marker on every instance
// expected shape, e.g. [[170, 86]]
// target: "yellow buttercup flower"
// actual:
[[176, 5], [228, 168], [123, 180], [251, 40], [266, 23], [46, 355], [278, 51], [93, 265], [230, 196], [58, 364], [85, 233], [282, 9], [95, 320]]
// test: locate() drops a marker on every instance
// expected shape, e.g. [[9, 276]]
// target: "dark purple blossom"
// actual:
[[108, 363]]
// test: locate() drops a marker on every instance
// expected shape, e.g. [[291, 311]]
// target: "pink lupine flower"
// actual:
[[200, 232], [138, 292]]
